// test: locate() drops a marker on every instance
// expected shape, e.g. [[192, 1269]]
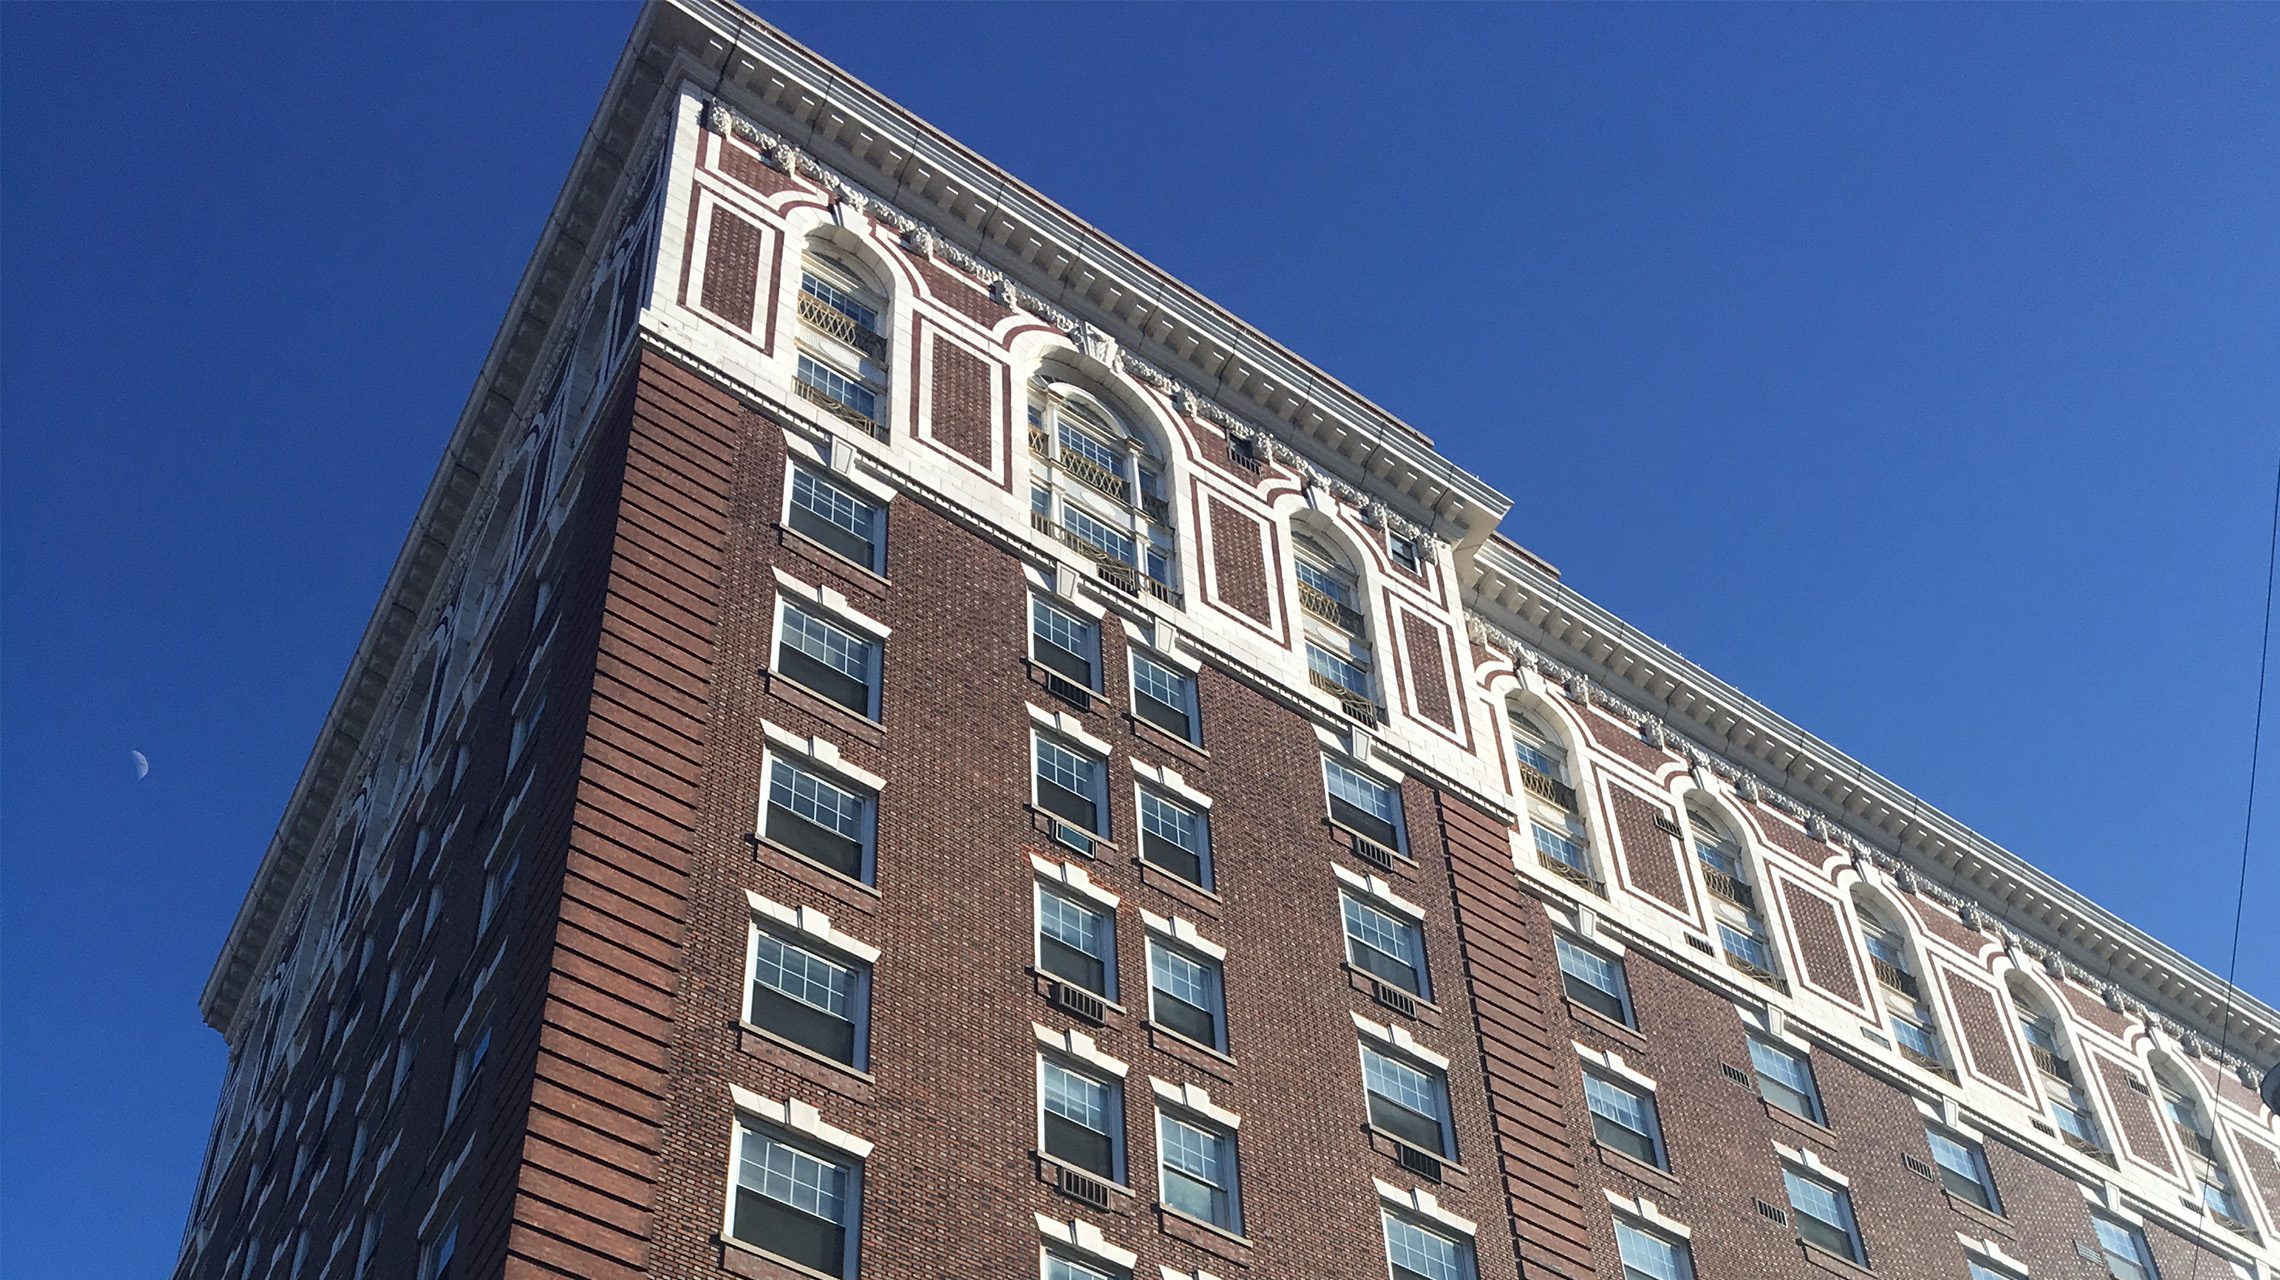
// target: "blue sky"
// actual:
[[1917, 370]]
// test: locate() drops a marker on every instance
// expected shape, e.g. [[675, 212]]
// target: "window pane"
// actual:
[[1647, 1256], [1785, 1079], [1079, 1119], [1058, 1267], [834, 517], [1163, 697], [1387, 946], [1073, 942], [1198, 1173], [1559, 847], [1338, 669], [1066, 643], [1362, 803], [1173, 837], [816, 818], [1068, 785], [1405, 1101], [1420, 1254], [803, 997], [1824, 1213], [1187, 993], [1620, 1118], [838, 386], [1110, 541], [833, 662], [1592, 980]]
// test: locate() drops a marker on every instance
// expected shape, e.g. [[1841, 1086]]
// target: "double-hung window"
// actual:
[[1978, 1270], [1081, 1117], [2070, 1110], [1060, 1266], [820, 818], [1555, 846], [1069, 786], [829, 659], [1198, 1173], [1185, 993], [1336, 670], [2127, 1257], [1823, 1214], [1418, 1252], [1164, 697], [808, 997], [1408, 552], [1362, 803], [1746, 947], [831, 386], [839, 518], [796, 1201], [1963, 1168], [1650, 1255], [1076, 942], [1594, 980], [1064, 643], [1387, 945], [1623, 1117], [1785, 1079], [1175, 837], [1408, 1100]]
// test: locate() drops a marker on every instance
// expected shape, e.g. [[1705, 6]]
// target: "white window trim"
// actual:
[[1169, 780], [795, 1116], [1612, 1064], [1774, 1025], [1079, 1047], [1377, 888], [1991, 1249], [1181, 932], [804, 451], [829, 600], [1420, 1203], [1052, 584], [1196, 1099], [824, 754], [1073, 878], [1162, 647], [1085, 1238], [1061, 724], [1648, 1212], [1947, 1115], [1810, 1162], [811, 923], [1400, 1041], [1585, 925], [1174, 1273]]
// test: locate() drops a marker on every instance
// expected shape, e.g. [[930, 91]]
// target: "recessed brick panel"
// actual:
[[2133, 1111], [2263, 1169], [1821, 942], [1980, 1023], [732, 267], [1239, 560], [961, 400], [1649, 852], [1428, 668]]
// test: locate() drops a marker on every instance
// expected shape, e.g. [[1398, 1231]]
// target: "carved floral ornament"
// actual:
[[1819, 826], [922, 239]]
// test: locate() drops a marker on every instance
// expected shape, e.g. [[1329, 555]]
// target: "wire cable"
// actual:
[[2248, 823]]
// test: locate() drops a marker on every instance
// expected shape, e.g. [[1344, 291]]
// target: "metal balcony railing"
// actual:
[[2086, 1147], [1316, 602], [1567, 871], [1546, 788], [1040, 443], [1895, 977], [831, 322], [1096, 476], [841, 410], [1754, 970], [1927, 1062], [2050, 1064], [1113, 570], [1727, 887], [1360, 706]]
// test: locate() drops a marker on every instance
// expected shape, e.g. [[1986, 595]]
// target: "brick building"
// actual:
[[906, 743]]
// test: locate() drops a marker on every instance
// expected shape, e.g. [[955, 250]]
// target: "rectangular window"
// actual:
[[1337, 670], [1069, 786], [1594, 980], [1361, 803], [1963, 1168], [1785, 1079], [1988, 1271], [1104, 539], [830, 660], [1746, 947], [1417, 1252], [808, 998], [466, 1071], [1408, 1100], [1082, 1119], [1560, 847], [1407, 552], [2127, 1257], [838, 518], [1198, 1174], [2071, 1112], [837, 387], [820, 819], [1823, 1214], [1624, 1118], [1389, 947], [839, 300], [1060, 1266], [1185, 993], [1064, 643], [1651, 1255], [1082, 444], [1076, 943], [1175, 837], [796, 1203], [1164, 697]]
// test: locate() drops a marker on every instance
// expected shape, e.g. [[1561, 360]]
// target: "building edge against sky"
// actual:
[[1268, 525]]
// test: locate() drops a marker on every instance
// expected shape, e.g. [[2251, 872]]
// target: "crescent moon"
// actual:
[[142, 765]]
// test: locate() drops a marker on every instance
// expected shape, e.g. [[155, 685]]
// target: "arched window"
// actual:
[[2047, 1049], [2204, 1159], [1339, 660], [1725, 872], [1900, 988], [1098, 485], [841, 344], [1555, 822]]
